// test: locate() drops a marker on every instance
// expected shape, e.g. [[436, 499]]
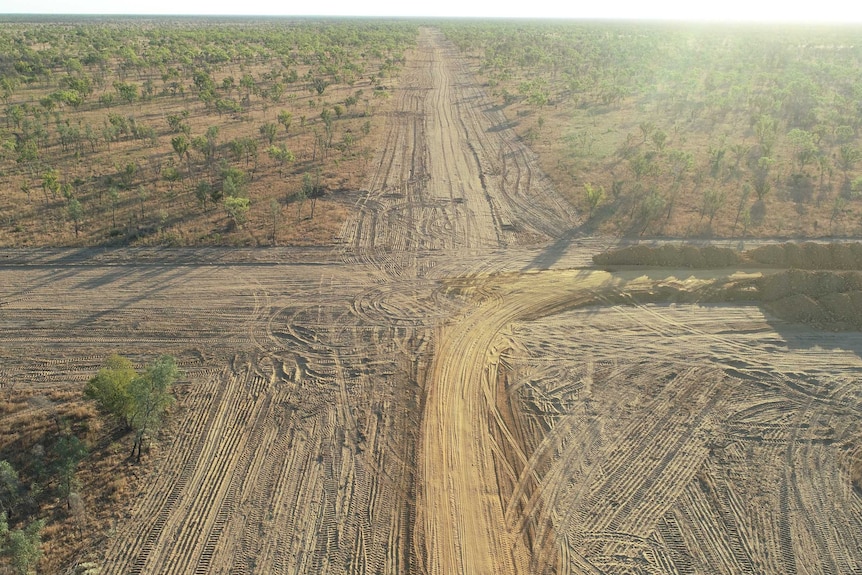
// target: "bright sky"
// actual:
[[703, 10]]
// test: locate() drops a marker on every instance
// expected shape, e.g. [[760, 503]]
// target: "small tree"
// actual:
[[234, 182], [595, 195], [285, 118], [171, 175], [319, 85], [202, 192], [114, 196], [713, 200], [150, 394], [237, 209], [268, 131], [70, 452], [275, 217], [847, 157], [126, 91], [181, 144], [301, 196], [311, 189], [51, 183], [281, 155], [8, 486], [24, 546], [650, 208], [110, 389], [760, 179], [76, 213]]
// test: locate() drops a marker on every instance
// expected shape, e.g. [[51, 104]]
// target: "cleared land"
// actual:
[[447, 391]]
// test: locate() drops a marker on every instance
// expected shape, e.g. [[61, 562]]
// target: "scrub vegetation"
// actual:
[[689, 130], [188, 131]]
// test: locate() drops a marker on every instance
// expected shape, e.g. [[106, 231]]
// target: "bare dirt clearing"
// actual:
[[443, 394]]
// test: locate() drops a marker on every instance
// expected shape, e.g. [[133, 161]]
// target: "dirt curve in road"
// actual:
[[449, 390]]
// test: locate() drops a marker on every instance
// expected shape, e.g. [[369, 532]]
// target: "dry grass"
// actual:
[[579, 140], [153, 211], [29, 427]]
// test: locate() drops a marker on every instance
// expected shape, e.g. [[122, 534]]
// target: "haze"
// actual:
[[831, 11]]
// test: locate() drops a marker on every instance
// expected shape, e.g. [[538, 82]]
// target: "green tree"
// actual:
[[311, 189], [319, 85], [659, 140], [171, 175], [650, 208], [713, 200], [8, 486], [28, 152], [207, 145], [143, 196], [126, 91], [268, 131], [181, 144], [151, 397], [76, 213], [51, 183], [743, 200], [247, 82], [275, 217], [70, 452], [760, 180], [110, 389], [285, 118], [16, 114], [24, 547], [128, 173], [114, 196], [7, 87], [234, 182], [237, 209], [804, 148], [281, 155], [847, 158], [595, 195], [203, 191], [766, 130], [300, 196], [177, 124]]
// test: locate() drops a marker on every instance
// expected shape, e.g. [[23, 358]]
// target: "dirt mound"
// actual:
[[676, 256], [824, 298], [816, 284], [822, 288], [804, 256], [809, 256]]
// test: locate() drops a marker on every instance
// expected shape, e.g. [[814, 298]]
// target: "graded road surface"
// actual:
[[449, 390]]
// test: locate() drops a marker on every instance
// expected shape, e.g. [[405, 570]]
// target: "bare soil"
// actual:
[[450, 389]]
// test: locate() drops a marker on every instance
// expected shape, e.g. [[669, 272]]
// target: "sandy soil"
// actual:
[[444, 391]]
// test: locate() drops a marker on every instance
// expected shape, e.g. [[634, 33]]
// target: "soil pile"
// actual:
[[808, 256], [804, 256], [827, 299], [674, 256], [823, 286]]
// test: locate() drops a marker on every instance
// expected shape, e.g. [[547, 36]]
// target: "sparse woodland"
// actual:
[[188, 131], [688, 130]]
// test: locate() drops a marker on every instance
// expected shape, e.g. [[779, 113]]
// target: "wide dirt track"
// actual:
[[447, 391]]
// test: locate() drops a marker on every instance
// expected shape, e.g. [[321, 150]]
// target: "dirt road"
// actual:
[[428, 397]]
